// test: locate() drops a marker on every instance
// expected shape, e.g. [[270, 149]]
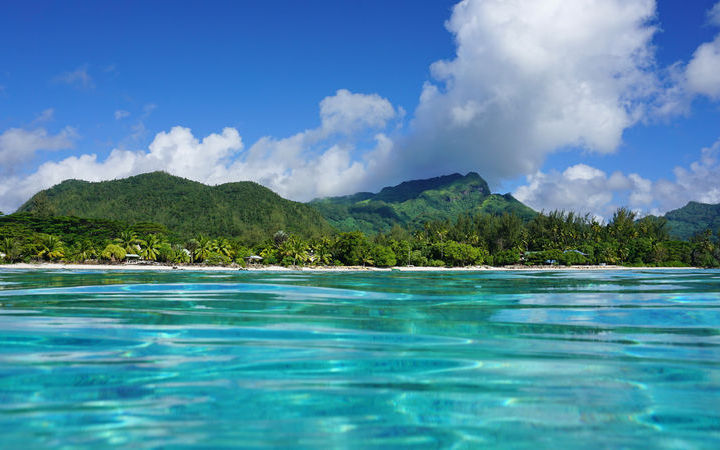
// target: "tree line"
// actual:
[[556, 237]]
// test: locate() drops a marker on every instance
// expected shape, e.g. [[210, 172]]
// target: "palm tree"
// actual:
[[321, 251], [279, 238], [12, 249], [84, 250], [50, 247], [203, 248], [223, 247], [181, 255], [129, 241], [297, 250], [150, 247]]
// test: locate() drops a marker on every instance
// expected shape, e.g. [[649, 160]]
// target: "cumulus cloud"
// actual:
[[530, 78], [584, 189], [308, 164], [18, 145], [78, 78], [703, 70], [578, 188], [346, 112]]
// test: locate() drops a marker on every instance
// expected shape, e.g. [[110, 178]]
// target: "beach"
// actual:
[[273, 268]]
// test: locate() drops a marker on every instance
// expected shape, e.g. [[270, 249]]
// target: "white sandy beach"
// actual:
[[200, 268]]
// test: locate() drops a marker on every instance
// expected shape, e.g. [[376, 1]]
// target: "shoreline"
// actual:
[[172, 268]]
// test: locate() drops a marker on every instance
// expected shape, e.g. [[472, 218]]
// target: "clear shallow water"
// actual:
[[426, 360]]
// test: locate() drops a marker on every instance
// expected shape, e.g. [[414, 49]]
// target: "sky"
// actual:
[[580, 105]]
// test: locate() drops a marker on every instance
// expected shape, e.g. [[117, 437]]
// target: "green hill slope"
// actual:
[[693, 218], [185, 207], [414, 202]]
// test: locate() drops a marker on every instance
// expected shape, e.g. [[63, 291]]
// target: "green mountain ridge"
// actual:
[[239, 209], [693, 218], [413, 202]]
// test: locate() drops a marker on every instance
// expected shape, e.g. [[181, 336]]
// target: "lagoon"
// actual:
[[600, 359]]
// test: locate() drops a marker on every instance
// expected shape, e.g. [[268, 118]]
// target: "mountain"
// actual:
[[692, 218], [185, 207], [414, 202]]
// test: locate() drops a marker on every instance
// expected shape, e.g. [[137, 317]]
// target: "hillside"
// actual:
[[692, 218], [185, 207], [414, 202]]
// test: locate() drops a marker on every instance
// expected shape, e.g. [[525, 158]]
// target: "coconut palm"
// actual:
[[150, 247], [50, 247], [83, 250], [223, 247], [182, 255], [295, 249], [279, 238], [11, 248], [129, 241], [203, 248]]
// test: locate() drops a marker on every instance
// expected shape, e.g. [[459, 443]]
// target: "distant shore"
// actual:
[[260, 268]]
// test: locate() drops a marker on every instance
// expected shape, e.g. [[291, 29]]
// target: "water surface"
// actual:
[[424, 360]]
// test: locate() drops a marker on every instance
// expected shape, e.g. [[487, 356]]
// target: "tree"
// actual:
[[129, 241], [279, 238], [295, 249], [222, 246], [50, 247], [83, 250], [150, 247], [12, 249], [350, 248], [113, 252], [203, 248], [383, 256]]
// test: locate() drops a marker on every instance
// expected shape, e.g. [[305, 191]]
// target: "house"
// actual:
[[253, 259], [132, 257]]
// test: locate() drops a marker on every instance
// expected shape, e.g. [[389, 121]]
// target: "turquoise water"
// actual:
[[334, 360]]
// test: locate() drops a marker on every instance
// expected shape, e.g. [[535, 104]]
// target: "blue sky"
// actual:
[[567, 105]]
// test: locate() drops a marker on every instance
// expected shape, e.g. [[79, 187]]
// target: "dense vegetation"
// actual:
[[500, 240], [692, 219], [244, 209], [444, 221], [412, 203]]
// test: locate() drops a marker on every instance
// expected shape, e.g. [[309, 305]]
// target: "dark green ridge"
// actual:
[[185, 207], [413, 202], [693, 218]]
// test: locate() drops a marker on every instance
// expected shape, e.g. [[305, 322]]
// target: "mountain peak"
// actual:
[[415, 201], [411, 189]]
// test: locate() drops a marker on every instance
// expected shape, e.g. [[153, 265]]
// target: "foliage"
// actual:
[[412, 203], [182, 207], [692, 219], [113, 252]]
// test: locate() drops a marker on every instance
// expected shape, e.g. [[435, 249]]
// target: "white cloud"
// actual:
[[121, 114], [703, 70], [18, 145], [301, 167], [582, 188], [579, 188], [530, 78], [78, 77], [346, 112]]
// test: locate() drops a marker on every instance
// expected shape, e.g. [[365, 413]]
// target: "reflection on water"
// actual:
[[609, 359]]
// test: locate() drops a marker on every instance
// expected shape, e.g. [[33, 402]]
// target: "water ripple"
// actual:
[[458, 359]]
